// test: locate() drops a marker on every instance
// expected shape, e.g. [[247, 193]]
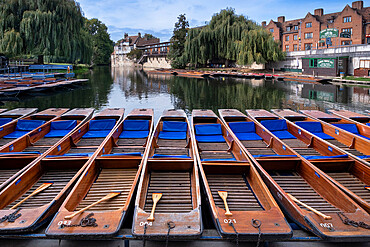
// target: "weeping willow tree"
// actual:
[[52, 28], [230, 37]]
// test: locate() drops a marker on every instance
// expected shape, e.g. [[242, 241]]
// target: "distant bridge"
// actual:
[[154, 50]]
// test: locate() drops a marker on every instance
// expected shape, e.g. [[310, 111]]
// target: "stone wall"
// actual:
[[157, 63]]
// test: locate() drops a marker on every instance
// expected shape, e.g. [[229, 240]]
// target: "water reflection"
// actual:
[[131, 88]]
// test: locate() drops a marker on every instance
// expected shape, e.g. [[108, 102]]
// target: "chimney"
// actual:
[[126, 35], [139, 34], [263, 24], [281, 19], [358, 5], [319, 12]]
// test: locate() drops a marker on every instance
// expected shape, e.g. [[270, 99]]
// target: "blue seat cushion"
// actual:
[[272, 155], [103, 124], [283, 134], [312, 157], [5, 121], [275, 125], [28, 125], [349, 127], [172, 135], [72, 154], [15, 134], [135, 125], [61, 128], [174, 126], [242, 127], [120, 154], [368, 124], [230, 159], [324, 136], [208, 129], [250, 136], [96, 134], [17, 153], [134, 134], [313, 127], [170, 156], [364, 156], [364, 136], [210, 138]]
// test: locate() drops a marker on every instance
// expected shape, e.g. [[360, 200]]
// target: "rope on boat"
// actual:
[[350, 222], [11, 217], [237, 234], [85, 222], [144, 240], [257, 224], [170, 225]]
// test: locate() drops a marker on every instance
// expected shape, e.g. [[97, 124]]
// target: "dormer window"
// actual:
[[288, 28], [308, 24], [296, 27], [347, 19]]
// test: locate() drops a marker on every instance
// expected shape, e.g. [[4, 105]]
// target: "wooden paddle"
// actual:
[[156, 196], [107, 197], [36, 191], [326, 217], [223, 195]]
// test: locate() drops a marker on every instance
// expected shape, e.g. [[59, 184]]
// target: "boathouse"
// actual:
[[325, 66]]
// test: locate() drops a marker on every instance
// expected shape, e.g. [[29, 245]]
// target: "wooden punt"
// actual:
[[311, 186], [117, 167], [356, 144], [348, 173], [225, 167], [354, 116], [6, 117], [169, 168]]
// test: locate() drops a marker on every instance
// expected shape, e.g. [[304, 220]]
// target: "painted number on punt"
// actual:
[[142, 223], [64, 222], [326, 225], [228, 221]]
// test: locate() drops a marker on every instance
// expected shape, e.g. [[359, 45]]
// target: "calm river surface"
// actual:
[[131, 88]]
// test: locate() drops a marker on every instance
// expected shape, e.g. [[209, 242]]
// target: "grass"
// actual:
[[77, 69], [357, 78]]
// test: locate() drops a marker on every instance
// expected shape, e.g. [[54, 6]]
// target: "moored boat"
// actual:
[[309, 197], [167, 204], [7, 117], [116, 168], [357, 117], [241, 205]]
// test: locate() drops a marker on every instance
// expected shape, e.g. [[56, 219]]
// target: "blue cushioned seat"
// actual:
[[209, 133], [368, 124], [61, 128], [272, 155], [230, 159], [135, 129], [170, 156], [99, 128], [17, 153], [72, 154], [245, 131], [313, 157], [5, 121], [23, 127], [120, 154], [315, 128], [349, 127], [279, 128], [173, 130], [364, 156]]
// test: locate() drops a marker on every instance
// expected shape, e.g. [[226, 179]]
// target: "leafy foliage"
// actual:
[[135, 53], [102, 44], [178, 42], [233, 38]]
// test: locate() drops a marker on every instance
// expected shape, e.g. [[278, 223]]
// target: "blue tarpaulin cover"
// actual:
[[315, 128], [61, 128], [23, 127], [100, 128], [135, 129], [278, 128], [245, 131], [209, 133], [173, 130], [312, 157], [5, 121]]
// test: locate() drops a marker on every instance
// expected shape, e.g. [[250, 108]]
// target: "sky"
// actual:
[[158, 17]]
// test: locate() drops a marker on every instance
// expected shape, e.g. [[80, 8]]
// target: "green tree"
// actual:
[[149, 36], [232, 38], [102, 44], [178, 41], [53, 28]]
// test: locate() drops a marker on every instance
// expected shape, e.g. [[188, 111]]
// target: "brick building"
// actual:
[[304, 34]]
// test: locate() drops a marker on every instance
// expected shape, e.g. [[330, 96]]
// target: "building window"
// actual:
[[308, 46], [347, 42], [295, 47], [287, 47], [288, 28], [308, 35], [368, 40], [308, 24], [271, 30], [296, 27], [313, 63], [349, 30], [287, 38], [295, 37], [347, 19]]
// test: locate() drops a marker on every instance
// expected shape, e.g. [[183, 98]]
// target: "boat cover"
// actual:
[[61, 128], [209, 133], [135, 129], [315, 128], [100, 128], [245, 131], [173, 130], [279, 128], [5, 121], [351, 128], [23, 127]]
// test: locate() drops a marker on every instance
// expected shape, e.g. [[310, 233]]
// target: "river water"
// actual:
[[132, 88]]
